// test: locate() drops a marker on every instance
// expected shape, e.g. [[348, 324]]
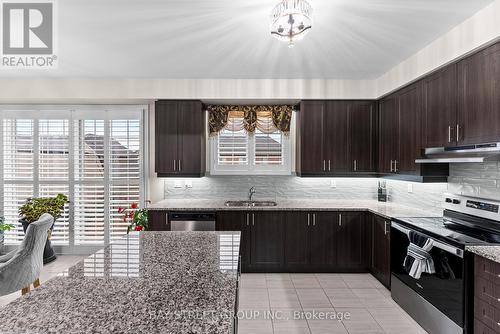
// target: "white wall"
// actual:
[[480, 29]]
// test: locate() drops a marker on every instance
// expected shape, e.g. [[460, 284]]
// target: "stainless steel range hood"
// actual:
[[460, 154]]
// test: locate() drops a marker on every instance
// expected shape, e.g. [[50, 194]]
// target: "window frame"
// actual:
[[251, 168], [72, 113]]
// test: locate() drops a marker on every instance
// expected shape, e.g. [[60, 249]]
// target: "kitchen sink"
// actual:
[[250, 203]]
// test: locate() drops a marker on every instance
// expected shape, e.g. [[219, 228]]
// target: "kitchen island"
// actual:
[[147, 282]]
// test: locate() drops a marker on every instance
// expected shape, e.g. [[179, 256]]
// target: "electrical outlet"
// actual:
[[189, 184], [410, 188], [333, 184]]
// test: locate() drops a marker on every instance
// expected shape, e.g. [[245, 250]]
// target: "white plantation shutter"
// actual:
[[89, 214], [92, 155], [232, 147], [124, 171], [268, 148], [234, 151], [14, 196], [18, 158]]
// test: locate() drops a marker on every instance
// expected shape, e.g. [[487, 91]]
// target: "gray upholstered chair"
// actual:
[[21, 267]]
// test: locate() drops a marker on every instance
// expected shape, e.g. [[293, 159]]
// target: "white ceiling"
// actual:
[[181, 39]]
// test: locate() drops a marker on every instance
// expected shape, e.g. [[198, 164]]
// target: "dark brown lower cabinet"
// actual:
[[352, 242], [322, 236], [267, 240], [297, 243], [158, 220], [380, 267], [486, 296]]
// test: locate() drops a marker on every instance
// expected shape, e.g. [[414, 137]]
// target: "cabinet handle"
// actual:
[[329, 165], [449, 134], [395, 166], [385, 227], [174, 166], [314, 219], [458, 133], [340, 219], [253, 219], [308, 219], [248, 219], [391, 166], [324, 165], [179, 165], [355, 165]]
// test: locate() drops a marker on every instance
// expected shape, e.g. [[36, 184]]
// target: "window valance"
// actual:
[[267, 119]]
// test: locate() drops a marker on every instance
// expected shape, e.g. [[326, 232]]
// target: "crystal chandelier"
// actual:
[[291, 20]]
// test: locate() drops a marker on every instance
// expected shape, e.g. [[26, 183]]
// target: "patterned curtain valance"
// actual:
[[267, 119]]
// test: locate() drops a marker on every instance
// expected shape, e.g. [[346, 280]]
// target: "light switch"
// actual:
[[333, 184], [410, 188]]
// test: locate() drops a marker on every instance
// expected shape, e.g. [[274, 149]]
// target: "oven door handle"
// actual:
[[438, 244]]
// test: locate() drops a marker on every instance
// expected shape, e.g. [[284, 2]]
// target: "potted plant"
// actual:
[[4, 227], [137, 218], [35, 207]]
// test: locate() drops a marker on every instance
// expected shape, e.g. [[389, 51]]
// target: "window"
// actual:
[[234, 151], [92, 154]]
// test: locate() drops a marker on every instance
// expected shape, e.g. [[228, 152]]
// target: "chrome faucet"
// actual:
[[250, 193]]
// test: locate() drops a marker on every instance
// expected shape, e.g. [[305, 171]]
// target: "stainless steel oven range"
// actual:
[[432, 277]]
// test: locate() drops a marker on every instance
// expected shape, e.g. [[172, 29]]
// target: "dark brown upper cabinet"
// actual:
[[362, 121], [400, 140], [388, 134], [479, 97], [335, 138], [179, 139], [409, 127], [309, 148], [440, 108]]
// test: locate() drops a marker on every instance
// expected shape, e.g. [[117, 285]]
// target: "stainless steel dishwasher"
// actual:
[[191, 221]]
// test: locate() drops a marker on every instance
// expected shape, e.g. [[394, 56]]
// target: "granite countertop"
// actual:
[[389, 210], [151, 282], [490, 252]]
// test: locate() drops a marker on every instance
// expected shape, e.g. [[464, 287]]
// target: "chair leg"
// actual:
[[25, 290], [36, 283]]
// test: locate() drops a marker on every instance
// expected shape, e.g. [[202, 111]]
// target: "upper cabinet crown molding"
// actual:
[[180, 139]]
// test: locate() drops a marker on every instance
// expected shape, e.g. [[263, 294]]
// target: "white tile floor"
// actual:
[[50, 270], [293, 298]]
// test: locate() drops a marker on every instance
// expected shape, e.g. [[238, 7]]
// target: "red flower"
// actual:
[[121, 210], [138, 228], [134, 206]]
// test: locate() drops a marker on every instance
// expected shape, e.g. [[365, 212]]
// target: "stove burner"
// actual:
[[473, 232]]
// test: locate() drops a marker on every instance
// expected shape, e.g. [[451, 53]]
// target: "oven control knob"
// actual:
[[456, 201], [448, 200]]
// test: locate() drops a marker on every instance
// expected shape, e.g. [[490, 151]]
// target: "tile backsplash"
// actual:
[[427, 196], [475, 179], [272, 187]]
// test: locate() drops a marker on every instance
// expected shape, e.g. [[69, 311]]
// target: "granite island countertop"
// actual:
[[490, 252], [388, 210], [151, 282]]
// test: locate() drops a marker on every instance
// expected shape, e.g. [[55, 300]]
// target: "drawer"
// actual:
[[487, 291], [487, 314], [481, 328], [489, 270]]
